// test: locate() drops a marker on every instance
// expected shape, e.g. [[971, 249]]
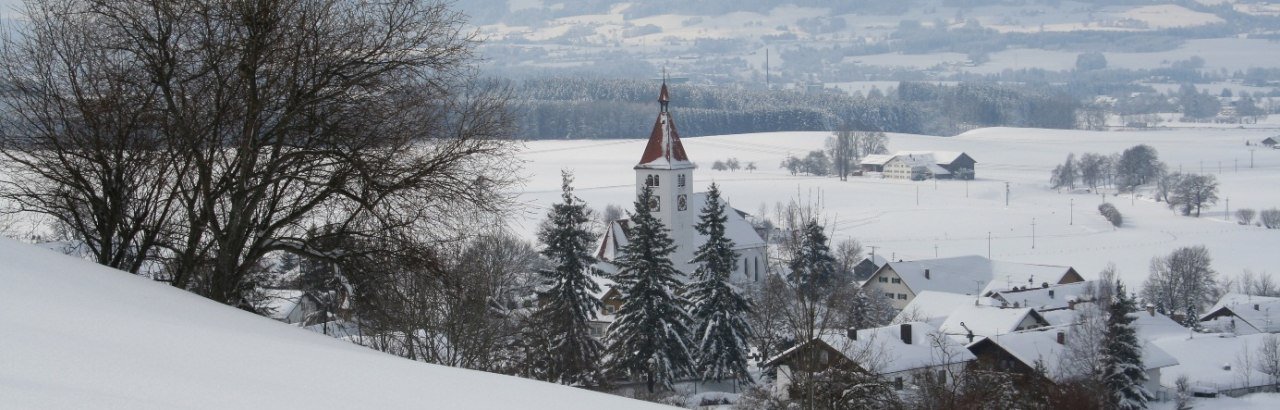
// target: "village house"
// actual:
[[1244, 314], [665, 167], [1272, 142], [897, 354], [1044, 353], [1048, 297], [919, 165], [966, 275]]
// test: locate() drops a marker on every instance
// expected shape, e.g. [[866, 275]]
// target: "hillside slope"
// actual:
[[78, 335]]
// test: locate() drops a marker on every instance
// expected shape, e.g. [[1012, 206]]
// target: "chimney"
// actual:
[[926, 274], [906, 333], [1051, 294], [852, 333], [1151, 310], [1255, 306], [1062, 337], [1071, 304]]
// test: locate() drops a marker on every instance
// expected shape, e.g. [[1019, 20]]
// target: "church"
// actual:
[[666, 168]]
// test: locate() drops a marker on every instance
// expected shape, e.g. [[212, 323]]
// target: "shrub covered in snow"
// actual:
[[1270, 218], [1112, 214]]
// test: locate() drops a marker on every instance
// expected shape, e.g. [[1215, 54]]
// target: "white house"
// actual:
[[966, 275], [972, 322], [665, 167]]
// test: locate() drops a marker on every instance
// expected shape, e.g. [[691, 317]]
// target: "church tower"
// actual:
[[666, 168]]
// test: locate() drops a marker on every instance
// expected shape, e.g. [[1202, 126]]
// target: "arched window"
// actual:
[[655, 181], [757, 263], [680, 180], [648, 180]]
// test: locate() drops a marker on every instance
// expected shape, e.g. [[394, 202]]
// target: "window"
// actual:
[[888, 295], [655, 181], [824, 357], [897, 280], [680, 180], [610, 309], [648, 180], [884, 279], [902, 296], [897, 383], [757, 263]]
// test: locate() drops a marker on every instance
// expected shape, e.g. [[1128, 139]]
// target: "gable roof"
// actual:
[[1053, 297], [934, 307], [963, 274], [988, 321], [1271, 140], [664, 150], [1261, 312], [881, 350], [875, 159], [1041, 345]]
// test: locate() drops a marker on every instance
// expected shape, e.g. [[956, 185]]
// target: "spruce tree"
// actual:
[[567, 299], [649, 338], [719, 311], [813, 269], [1122, 369]]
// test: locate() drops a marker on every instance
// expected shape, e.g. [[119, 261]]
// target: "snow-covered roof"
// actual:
[[736, 228], [990, 321], [1155, 325], [876, 159], [1260, 312], [882, 350], [1041, 345], [664, 150], [920, 160], [934, 307], [1053, 297], [964, 274], [279, 303], [938, 157], [1212, 361]]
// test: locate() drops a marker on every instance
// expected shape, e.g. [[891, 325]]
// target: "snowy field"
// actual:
[[954, 217], [79, 335]]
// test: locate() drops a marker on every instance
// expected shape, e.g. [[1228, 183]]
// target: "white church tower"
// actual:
[[665, 168]]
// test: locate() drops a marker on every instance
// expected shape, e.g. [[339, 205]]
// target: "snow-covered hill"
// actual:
[[77, 335], [953, 218]]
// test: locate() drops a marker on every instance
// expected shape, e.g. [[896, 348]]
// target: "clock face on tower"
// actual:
[[681, 203], [654, 202]]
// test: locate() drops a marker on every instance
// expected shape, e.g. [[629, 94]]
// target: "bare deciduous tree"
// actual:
[[206, 135]]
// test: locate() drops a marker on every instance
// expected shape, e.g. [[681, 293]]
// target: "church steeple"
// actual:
[[664, 150]]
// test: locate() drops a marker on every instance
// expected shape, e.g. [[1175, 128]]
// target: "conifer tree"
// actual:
[[649, 338], [1122, 369], [567, 299], [813, 269], [719, 310]]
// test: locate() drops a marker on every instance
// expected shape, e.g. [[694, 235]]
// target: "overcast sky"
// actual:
[[7, 7]]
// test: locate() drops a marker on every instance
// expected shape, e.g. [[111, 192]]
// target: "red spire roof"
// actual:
[[664, 150]]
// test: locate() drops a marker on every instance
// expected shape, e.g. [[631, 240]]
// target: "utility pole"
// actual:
[[1033, 233], [766, 69], [1251, 157], [1228, 215], [1006, 194], [966, 188], [917, 195], [1072, 211], [935, 251], [988, 244]]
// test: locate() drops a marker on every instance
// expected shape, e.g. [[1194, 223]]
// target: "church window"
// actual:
[[655, 181], [680, 180], [648, 180], [757, 263]]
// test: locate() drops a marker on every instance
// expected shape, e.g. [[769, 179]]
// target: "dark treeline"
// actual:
[[605, 108]]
